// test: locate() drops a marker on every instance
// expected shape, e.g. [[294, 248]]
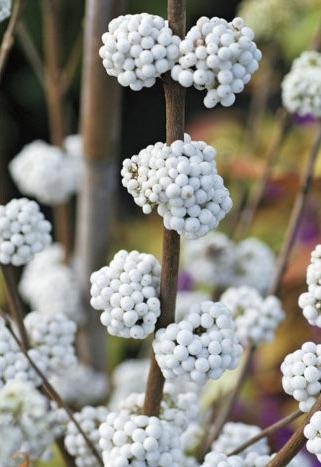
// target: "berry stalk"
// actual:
[[175, 124]]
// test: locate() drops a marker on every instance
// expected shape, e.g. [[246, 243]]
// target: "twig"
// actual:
[[267, 432], [175, 123], [257, 192], [15, 304], [296, 215], [27, 44], [53, 394], [8, 38], [72, 63]]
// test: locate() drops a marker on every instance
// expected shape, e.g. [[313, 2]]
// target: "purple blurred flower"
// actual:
[[304, 119], [273, 190], [309, 229], [185, 281]]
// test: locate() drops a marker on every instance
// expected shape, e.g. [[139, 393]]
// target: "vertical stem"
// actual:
[[296, 215], [100, 122], [55, 108], [175, 124]]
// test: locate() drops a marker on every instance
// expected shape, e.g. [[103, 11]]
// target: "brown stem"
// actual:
[[267, 432], [8, 38], [53, 394], [55, 108], [296, 442], [100, 128], [27, 44], [15, 304], [227, 408], [175, 124], [258, 190], [296, 215]]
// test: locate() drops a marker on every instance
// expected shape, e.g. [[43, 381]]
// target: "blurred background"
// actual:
[[242, 135]]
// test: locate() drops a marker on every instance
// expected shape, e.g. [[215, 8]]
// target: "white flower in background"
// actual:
[[73, 145], [23, 231], [27, 416], [200, 347], [217, 56], [219, 459], [53, 336], [44, 172], [310, 301], [139, 440], [301, 87], [182, 183], [89, 419], [138, 49], [81, 385], [185, 299], [256, 318], [312, 432], [302, 375], [236, 433], [254, 264], [5, 9], [50, 286], [128, 293], [209, 260]]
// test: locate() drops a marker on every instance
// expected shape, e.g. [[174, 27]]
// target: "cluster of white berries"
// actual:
[[27, 417], [252, 459], [53, 336], [185, 299], [44, 172], [310, 301], [182, 182], [81, 385], [236, 433], [215, 260], [23, 231], [137, 440], [127, 291], [302, 374], [128, 377], [301, 87], [255, 318], [312, 432], [73, 145], [217, 56], [89, 418], [200, 347], [50, 285], [138, 49], [5, 9]]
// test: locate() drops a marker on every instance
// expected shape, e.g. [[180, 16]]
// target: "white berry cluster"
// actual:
[[310, 301], [128, 377], [13, 363], [209, 259], [73, 145], [44, 172], [26, 414], [50, 285], [137, 440], [23, 231], [301, 87], [185, 299], [200, 347], [217, 56], [127, 291], [256, 318], [182, 182], [312, 432], [236, 433], [53, 336], [252, 459], [89, 418], [138, 49], [215, 260], [81, 385], [5, 9], [302, 374]]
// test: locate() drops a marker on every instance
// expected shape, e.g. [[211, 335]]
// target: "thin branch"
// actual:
[[15, 304], [267, 432], [175, 124], [53, 394], [8, 38], [29, 49], [72, 63]]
